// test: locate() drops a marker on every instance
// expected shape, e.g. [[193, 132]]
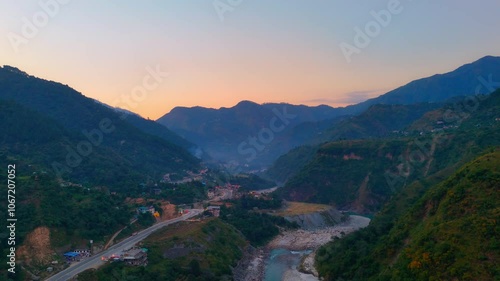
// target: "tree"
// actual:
[[194, 267]]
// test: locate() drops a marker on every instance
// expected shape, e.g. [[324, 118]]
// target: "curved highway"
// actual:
[[95, 261]]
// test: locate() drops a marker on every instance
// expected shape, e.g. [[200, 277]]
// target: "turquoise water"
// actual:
[[279, 261]]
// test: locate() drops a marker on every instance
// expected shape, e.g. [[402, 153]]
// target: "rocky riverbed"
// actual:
[[253, 267], [301, 239]]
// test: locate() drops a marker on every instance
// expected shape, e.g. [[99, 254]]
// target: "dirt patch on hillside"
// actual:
[[168, 211], [351, 156], [180, 229], [363, 196], [36, 248], [431, 156]]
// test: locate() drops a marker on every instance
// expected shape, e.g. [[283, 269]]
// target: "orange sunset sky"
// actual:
[[263, 51]]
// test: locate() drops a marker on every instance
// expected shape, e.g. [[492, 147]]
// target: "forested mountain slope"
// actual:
[[450, 233]]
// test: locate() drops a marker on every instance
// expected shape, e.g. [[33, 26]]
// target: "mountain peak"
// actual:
[[246, 103], [484, 61], [468, 79], [14, 70], [488, 58]]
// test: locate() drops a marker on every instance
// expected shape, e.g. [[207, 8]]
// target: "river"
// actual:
[[282, 264], [290, 246], [287, 249]]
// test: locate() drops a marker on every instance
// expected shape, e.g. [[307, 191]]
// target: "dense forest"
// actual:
[[363, 174], [80, 139], [449, 233]]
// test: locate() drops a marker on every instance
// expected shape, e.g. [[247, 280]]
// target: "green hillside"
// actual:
[[290, 163], [72, 109], [451, 233], [379, 120], [81, 140], [64, 217], [340, 169], [362, 174], [70, 153]]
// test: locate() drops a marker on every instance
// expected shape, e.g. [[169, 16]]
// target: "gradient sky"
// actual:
[[262, 50]]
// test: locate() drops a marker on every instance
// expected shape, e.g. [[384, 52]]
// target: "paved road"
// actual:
[[95, 261]]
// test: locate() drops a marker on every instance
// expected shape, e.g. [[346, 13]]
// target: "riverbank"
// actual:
[[253, 265], [298, 240]]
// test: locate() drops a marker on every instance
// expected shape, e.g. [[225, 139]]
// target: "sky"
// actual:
[[151, 56]]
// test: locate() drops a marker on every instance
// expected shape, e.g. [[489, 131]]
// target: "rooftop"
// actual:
[[133, 254]]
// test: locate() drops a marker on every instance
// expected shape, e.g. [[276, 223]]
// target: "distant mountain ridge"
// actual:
[[220, 131], [479, 77], [227, 133]]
